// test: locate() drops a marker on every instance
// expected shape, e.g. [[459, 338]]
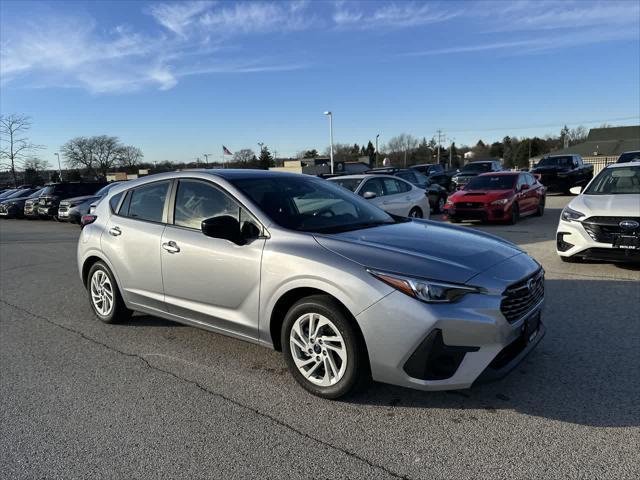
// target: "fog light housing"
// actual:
[[561, 244]]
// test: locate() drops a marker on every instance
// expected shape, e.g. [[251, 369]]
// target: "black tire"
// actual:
[[439, 208], [119, 313], [541, 204], [515, 214], [416, 212], [356, 374]]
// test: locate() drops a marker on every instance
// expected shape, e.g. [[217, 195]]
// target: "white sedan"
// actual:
[[392, 194], [603, 223]]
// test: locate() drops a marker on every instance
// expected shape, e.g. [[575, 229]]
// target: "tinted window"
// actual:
[[477, 167], [408, 176], [629, 157], [374, 185], [348, 183], [403, 186], [556, 162], [491, 182], [104, 190], [328, 208], [114, 201], [146, 202], [196, 201]]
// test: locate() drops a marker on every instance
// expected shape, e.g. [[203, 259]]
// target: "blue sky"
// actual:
[[180, 79]]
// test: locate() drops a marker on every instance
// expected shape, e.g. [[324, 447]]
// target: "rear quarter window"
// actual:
[[115, 201]]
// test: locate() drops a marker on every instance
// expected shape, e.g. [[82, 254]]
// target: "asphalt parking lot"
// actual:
[[154, 399]]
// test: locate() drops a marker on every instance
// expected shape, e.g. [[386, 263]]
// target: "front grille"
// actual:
[[605, 229], [521, 297], [469, 205], [63, 208]]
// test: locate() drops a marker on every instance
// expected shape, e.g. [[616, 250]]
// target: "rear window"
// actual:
[[348, 183], [629, 157], [477, 167]]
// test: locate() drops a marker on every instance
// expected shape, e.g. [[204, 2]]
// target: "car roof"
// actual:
[[503, 173], [635, 163], [361, 176]]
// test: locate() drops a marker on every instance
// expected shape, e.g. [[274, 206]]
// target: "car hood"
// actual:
[[607, 205], [471, 195], [422, 248], [80, 199]]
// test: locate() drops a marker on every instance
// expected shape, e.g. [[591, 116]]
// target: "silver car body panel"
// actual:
[[231, 289]]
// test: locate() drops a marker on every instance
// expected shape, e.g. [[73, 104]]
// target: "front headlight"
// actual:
[[429, 291], [571, 215], [502, 201]]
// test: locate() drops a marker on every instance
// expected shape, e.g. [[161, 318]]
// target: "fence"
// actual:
[[598, 162]]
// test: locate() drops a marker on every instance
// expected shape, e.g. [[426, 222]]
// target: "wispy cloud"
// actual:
[[75, 51], [393, 15]]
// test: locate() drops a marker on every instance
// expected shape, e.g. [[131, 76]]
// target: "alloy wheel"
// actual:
[[318, 349], [101, 293]]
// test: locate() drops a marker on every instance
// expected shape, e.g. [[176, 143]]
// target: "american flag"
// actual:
[[226, 151]]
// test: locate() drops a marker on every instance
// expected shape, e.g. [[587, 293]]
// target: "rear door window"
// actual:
[[146, 202]]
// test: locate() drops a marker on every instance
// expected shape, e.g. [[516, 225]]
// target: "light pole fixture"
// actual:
[[59, 167], [376, 163], [330, 115], [206, 158], [260, 144]]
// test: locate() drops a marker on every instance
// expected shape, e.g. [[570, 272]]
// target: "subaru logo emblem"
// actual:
[[531, 284], [629, 224]]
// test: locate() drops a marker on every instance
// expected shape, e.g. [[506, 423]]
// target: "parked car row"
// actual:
[[66, 201]]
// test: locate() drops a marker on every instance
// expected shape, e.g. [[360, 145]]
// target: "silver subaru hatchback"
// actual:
[[345, 290]]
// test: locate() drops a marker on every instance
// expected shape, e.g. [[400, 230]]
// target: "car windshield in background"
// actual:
[[37, 193], [348, 183], [616, 181], [311, 205], [476, 167], [556, 162], [17, 193], [491, 182], [51, 189], [104, 190], [629, 157]]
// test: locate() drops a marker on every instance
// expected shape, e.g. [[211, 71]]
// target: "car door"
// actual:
[[132, 243], [397, 199], [210, 280], [536, 191], [374, 185]]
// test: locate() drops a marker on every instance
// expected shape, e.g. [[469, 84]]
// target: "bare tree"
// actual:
[[78, 153], [243, 156], [15, 146], [36, 164], [401, 146], [97, 154], [129, 156]]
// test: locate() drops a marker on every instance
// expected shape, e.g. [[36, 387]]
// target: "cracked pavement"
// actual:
[[155, 399]]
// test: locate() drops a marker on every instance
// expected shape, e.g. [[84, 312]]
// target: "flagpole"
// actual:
[[223, 165]]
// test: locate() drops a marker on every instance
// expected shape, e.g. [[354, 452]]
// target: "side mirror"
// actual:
[[369, 195], [576, 190], [524, 187], [224, 226]]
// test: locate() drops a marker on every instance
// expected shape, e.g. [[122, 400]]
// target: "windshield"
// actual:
[[556, 162], [491, 182], [309, 204], [51, 189], [7, 193], [348, 183], [37, 193], [18, 193], [629, 157], [477, 167], [104, 190], [616, 181]]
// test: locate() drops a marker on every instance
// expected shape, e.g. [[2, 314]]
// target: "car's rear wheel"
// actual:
[[322, 349], [415, 212], [440, 205], [104, 295]]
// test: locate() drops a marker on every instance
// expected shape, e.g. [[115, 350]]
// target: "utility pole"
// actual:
[[376, 162], [330, 115], [439, 140], [59, 167], [206, 158]]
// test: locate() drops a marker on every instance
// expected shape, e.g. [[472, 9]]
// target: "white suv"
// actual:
[[603, 223]]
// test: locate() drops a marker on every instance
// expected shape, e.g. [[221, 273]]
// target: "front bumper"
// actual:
[[474, 328], [47, 211], [572, 240], [487, 213]]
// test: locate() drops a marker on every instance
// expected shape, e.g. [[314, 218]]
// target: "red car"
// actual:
[[497, 196]]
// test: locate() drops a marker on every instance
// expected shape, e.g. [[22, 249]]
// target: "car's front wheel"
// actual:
[[104, 295], [322, 348], [415, 212]]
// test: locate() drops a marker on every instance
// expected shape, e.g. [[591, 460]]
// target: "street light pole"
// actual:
[[59, 167], [376, 164], [330, 115], [206, 158]]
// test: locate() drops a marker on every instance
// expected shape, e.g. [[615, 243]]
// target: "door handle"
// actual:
[[171, 247], [115, 231]]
